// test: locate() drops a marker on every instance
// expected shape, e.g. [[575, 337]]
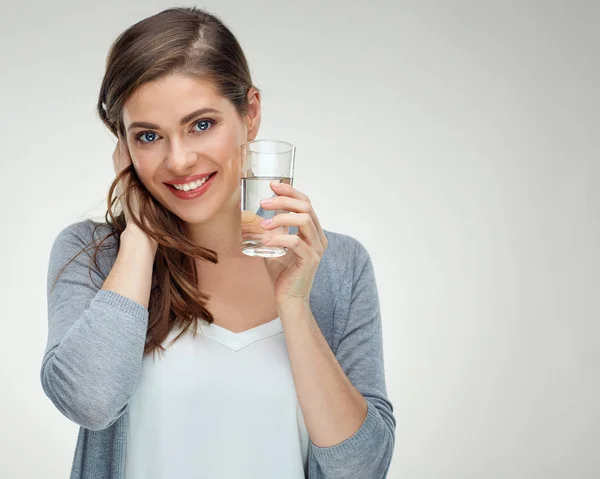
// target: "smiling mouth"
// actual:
[[197, 184]]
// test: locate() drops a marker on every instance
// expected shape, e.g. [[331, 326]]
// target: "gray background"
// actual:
[[457, 140]]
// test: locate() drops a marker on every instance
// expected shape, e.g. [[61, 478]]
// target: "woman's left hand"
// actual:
[[293, 273]]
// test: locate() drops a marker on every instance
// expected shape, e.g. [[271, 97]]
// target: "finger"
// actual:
[[121, 156], [288, 190], [286, 203], [118, 156], [297, 202], [296, 244], [251, 217], [119, 144], [124, 150], [306, 227]]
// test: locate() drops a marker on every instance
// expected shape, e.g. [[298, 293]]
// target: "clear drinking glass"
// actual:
[[263, 161]]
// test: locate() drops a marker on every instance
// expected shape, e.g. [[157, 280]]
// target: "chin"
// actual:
[[196, 218]]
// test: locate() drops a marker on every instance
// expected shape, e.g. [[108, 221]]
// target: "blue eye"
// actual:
[[151, 137], [146, 134], [205, 124]]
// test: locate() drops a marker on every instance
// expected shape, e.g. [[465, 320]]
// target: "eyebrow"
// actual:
[[183, 121]]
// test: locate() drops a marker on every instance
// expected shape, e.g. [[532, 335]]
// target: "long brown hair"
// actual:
[[188, 41]]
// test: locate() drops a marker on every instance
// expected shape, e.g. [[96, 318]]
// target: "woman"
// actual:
[[267, 367]]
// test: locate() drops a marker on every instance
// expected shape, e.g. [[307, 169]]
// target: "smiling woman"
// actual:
[[248, 384], [157, 71]]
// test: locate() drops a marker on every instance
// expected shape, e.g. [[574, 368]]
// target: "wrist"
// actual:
[[292, 303], [134, 234]]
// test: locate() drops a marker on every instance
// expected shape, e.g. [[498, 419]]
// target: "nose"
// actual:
[[180, 159]]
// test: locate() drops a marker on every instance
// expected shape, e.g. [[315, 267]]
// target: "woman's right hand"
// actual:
[[121, 160]]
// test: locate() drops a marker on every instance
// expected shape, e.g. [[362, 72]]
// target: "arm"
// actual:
[[343, 396], [96, 337]]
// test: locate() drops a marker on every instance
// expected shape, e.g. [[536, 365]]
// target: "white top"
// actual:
[[217, 405]]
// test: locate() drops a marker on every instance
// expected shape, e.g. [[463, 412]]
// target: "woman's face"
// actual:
[[170, 138]]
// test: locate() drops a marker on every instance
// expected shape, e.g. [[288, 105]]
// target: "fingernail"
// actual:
[[266, 201], [266, 223]]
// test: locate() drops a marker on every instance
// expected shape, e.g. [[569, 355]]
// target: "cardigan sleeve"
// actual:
[[367, 453], [95, 340]]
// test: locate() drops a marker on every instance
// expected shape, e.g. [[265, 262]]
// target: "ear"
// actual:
[[252, 119]]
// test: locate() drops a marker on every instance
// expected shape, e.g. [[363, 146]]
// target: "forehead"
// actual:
[[170, 98]]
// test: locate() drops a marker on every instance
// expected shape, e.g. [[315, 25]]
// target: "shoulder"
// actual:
[[82, 232], [345, 254], [83, 237], [338, 276]]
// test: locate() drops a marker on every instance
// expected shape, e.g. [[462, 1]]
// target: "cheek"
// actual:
[[146, 161], [145, 172], [228, 149], [139, 161], [234, 165], [141, 168]]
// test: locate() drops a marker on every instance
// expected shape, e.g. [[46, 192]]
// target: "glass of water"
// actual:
[[264, 161]]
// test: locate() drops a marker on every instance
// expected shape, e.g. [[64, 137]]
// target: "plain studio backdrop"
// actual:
[[457, 140]]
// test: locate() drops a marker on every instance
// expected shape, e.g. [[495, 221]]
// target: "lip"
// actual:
[[190, 195], [188, 179]]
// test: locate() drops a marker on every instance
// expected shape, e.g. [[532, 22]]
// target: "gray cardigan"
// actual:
[[96, 338]]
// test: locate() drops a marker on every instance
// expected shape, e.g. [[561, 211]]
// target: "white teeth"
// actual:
[[191, 186]]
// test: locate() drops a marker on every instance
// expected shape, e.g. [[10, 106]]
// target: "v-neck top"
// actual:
[[231, 399], [217, 404]]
